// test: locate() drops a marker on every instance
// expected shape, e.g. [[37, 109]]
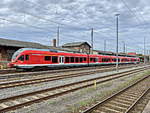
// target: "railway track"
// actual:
[[14, 102], [22, 74], [125, 100], [15, 71], [11, 74], [9, 84], [18, 76]]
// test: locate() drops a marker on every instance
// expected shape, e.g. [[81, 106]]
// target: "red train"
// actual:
[[29, 58]]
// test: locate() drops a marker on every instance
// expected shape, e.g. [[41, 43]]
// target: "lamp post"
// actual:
[[124, 47], [58, 36], [144, 52], [104, 45], [117, 62], [92, 40]]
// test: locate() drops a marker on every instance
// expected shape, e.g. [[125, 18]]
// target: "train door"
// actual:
[[61, 59]]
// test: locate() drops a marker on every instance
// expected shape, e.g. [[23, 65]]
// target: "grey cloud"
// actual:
[[78, 17]]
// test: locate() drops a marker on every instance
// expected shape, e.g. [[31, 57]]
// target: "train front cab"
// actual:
[[22, 61]]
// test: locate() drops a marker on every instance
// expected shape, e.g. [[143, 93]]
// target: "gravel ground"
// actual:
[[35, 87], [72, 101]]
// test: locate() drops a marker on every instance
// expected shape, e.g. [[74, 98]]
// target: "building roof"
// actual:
[[24, 44], [74, 44]]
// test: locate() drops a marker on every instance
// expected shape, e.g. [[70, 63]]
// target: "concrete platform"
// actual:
[[147, 108]]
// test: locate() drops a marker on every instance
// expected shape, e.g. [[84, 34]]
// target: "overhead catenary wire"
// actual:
[[131, 11], [135, 14], [21, 23], [48, 20]]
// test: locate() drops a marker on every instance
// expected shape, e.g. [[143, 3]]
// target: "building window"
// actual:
[[47, 58], [54, 59]]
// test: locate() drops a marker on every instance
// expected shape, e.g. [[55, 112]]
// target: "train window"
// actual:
[[67, 59], [114, 59], [91, 59], [105, 59], [47, 58], [27, 57], [84, 58], [21, 58], [81, 59], [95, 59], [72, 59], [54, 59], [77, 59]]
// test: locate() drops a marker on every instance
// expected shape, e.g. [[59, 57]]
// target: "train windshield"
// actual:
[[17, 53]]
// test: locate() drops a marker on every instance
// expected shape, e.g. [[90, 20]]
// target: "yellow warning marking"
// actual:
[[95, 84]]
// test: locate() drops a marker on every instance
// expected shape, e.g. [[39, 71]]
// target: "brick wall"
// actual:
[[6, 54]]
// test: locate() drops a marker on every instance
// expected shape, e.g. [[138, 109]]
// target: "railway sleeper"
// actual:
[[119, 104], [122, 101], [108, 110], [118, 108]]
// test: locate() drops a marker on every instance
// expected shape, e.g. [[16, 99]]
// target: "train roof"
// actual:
[[24, 49]]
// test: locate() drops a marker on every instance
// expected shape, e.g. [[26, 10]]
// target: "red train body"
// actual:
[[27, 58]]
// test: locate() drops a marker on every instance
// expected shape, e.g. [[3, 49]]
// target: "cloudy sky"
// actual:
[[37, 21]]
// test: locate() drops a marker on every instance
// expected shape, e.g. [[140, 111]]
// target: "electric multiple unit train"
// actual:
[[29, 58]]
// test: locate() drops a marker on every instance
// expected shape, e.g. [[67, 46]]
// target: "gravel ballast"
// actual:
[[73, 101], [35, 87]]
